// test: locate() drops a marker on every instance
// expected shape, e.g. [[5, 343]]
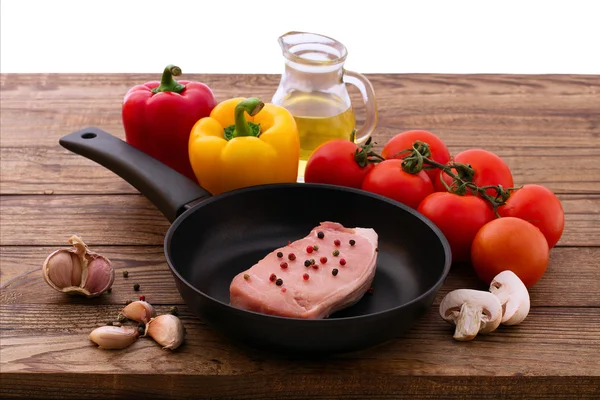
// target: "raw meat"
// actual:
[[289, 294]]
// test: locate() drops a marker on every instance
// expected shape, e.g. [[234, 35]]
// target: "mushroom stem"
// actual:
[[468, 322]]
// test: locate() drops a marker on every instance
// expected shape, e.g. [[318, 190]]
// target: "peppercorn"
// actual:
[[142, 298], [246, 276], [305, 277], [315, 266], [283, 265], [279, 282], [334, 271], [121, 318], [370, 291], [315, 247], [136, 287], [352, 242], [279, 254], [141, 330], [109, 290], [291, 256], [173, 310], [309, 249], [109, 323], [307, 263], [323, 260], [125, 274], [320, 235], [337, 242], [342, 262], [336, 253], [272, 277]]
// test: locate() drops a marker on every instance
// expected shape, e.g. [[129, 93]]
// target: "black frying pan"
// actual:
[[213, 238]]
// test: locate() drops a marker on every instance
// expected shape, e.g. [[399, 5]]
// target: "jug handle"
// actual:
[[368, 94]]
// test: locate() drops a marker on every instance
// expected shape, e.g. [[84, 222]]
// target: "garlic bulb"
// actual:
[[167, 330], [78, 270], [114, 337]]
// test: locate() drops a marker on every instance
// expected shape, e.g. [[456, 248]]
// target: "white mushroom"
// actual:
[[513, 296], [472, 311]]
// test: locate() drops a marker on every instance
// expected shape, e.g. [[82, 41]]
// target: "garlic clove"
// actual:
[[139, 311], [60, 267], [167, 330], [78, 270], [100, 275], [113, 337]]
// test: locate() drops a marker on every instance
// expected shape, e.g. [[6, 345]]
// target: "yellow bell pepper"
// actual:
[[244, 142]]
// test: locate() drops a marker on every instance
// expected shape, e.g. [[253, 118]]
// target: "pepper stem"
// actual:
[[252, 106], [167, 82]]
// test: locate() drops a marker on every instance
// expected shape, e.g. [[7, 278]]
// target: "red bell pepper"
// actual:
[[158, 117]]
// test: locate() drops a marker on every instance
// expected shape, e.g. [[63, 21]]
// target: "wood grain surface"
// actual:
[[547, 128]]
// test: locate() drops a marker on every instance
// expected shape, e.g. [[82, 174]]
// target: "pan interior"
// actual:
[[226, 235]]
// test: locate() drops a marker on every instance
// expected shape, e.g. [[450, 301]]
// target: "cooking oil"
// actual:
[[320, 117]]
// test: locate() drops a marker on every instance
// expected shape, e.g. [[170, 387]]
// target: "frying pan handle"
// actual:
[[166, 188]]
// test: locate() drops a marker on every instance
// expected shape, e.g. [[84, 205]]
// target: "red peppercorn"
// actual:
[[342, 261], [143, 298], [291, 256], [309, 249], [323, 260], [370, 291], [283, 265], [273, 277], [305, 276], [315, 266], [283, 290], [337, 242]]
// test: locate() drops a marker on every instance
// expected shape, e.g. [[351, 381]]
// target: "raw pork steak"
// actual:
[[286, 283]]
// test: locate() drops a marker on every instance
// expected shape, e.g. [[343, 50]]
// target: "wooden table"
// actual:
[[547, 128]]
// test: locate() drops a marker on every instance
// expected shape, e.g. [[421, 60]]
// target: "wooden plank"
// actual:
[[571, 279], [40, 170], [553, 119], [53, 338], [133, 220], [357, 386]]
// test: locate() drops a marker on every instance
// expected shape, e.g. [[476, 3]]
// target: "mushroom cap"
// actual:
[[513, 296], [491, 309]]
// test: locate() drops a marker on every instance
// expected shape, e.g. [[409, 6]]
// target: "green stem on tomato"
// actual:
[[419, 159], [167, 82]]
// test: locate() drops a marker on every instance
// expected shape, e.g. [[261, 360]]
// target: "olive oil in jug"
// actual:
[[320, 117]]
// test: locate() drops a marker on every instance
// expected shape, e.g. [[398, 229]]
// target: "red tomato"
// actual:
[[490, 170], [389, 179], [405, 140], [334, 162], [539, 206], [459, 218], [510, 243]]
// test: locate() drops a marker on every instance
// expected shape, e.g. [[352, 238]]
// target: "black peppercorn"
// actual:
[[352, 242], [279, 282], [136, 287], [279, 254], [125, 274], [320, 235], [307, 263], [334, 271]]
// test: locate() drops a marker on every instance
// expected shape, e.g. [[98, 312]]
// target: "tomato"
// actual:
[[335, 162], [510, 243], [389, 179], [405, 140], [490, 170], [459, 218], [539, 206]]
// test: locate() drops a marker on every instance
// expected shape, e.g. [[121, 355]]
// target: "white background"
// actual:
[[228, 36]]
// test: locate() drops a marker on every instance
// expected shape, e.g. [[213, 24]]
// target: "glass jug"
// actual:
[[313, 89]]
